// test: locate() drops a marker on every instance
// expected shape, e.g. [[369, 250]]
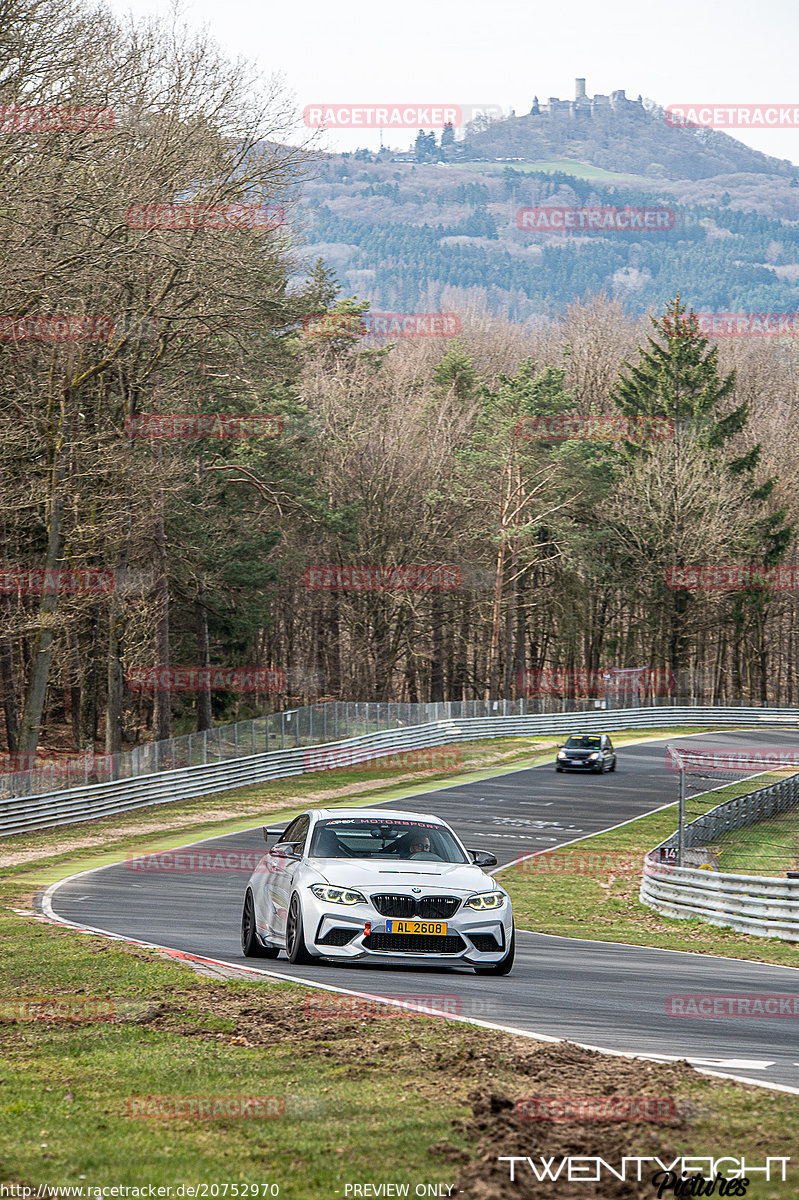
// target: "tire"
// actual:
[[503, 967], [613, 768], [295, 936], [250, 946], [559, 770]]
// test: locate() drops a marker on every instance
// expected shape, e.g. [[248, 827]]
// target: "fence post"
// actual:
[[681, 828], [205, 747], [252, 734]]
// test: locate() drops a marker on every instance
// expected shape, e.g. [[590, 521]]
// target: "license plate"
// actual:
[[436, 928]]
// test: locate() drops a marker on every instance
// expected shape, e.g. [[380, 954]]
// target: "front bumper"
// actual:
[[478, 939], [579, 765]]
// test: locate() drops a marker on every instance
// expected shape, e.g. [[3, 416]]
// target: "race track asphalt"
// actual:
[[597, 993]]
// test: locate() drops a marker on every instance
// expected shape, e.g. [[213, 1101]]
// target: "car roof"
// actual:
[[389, 813]]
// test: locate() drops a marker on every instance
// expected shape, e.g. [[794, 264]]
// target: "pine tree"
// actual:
[[676, 389]]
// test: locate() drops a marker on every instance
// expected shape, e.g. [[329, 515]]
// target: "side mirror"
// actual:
[[482, 858], [286, 850], [270, 831]]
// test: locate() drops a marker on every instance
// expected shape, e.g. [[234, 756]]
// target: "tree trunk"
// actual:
[[88, 708], [510, 638], [437, 655], [162, 705], [205, 718], [9, 691], [75, 684], [116, 680], [43, 642]]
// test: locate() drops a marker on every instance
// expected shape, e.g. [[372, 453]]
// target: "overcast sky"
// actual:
[[503, 52]]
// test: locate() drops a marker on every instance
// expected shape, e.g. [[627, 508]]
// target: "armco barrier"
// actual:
[[320, 724], [103, 799], [760, 905], [19, 813]]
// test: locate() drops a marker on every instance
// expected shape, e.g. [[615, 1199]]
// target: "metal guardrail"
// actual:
[[318, 724], [185, 782], [761, 905], [103, 799]]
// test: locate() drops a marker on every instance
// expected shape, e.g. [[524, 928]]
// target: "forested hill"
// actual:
[[421, 237], [631, 138]]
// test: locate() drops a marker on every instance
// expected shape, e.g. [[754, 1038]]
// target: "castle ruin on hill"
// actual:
[[583, 105]]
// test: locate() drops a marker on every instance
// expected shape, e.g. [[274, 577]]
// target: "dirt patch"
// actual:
[[489, 1073], [564, 1071]]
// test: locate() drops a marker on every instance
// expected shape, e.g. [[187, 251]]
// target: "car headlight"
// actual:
[[561, 753], [337, 895], [590, 756], [486, 900]]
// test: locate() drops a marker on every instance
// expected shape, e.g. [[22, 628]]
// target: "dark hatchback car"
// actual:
[[587, 752]]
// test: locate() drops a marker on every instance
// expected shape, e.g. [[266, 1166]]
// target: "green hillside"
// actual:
[[398, 234], [565, 165], [629, 139]]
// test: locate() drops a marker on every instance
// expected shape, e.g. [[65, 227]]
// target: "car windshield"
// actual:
[[582, 742], [376, 837]]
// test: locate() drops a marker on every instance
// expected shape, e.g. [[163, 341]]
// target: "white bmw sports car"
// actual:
[[363, 884]]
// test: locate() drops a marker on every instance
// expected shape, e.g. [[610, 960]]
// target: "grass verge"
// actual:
[[594, 884], [767, 848], [355, 1098]]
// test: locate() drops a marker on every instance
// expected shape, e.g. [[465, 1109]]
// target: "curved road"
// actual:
[[601, 994]]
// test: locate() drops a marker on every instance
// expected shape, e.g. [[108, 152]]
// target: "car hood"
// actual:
[[452, 877]]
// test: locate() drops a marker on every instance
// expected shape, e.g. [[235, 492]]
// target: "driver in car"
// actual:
[[420, 844]]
